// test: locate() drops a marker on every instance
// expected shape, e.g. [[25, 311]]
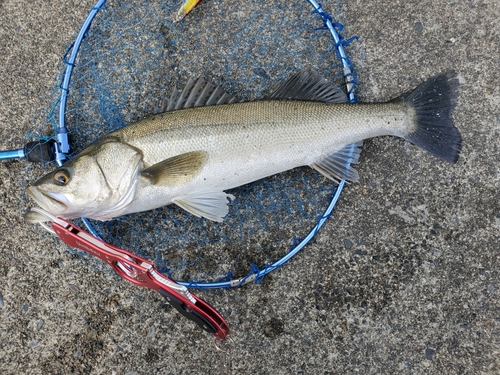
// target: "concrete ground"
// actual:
[[404, 278]]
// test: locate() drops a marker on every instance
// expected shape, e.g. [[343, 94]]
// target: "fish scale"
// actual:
[[276, 135]]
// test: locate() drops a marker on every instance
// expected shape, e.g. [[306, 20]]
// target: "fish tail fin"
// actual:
[[433, 102]]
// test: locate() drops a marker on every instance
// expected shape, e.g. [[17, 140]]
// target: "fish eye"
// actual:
[[61, 177]]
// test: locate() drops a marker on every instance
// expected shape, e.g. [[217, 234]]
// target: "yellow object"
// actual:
[[185, 9]]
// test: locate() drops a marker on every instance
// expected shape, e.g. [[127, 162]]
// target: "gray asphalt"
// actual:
[[404, 278]]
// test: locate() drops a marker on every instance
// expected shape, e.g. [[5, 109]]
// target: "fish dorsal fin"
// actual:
[[210, 204], [176, 170], [337, 166], [197, 93], [309, 85]]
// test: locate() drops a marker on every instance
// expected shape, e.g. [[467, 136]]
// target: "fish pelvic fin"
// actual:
[[312, 86], [210, 204], [176, 170], [337, 166], [433, 102]]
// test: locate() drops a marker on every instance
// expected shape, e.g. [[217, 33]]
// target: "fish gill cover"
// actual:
[[133, 54]]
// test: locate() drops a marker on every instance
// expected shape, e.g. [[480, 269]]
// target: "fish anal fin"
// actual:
[[176, 170], [210, 204], [309, 85], [337, 166]]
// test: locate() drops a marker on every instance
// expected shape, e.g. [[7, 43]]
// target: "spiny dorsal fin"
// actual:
[[197, 93], [210, 204], [309, 85], [176, 170], [337, 166]]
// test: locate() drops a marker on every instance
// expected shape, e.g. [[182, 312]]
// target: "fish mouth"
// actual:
[[46, 201]]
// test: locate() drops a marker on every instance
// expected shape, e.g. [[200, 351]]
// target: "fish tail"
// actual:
[[433, 102]]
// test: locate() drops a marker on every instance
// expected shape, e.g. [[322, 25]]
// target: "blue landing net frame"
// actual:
[[256, 275]]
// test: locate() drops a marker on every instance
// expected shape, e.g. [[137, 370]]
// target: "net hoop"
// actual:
[[256, 275]]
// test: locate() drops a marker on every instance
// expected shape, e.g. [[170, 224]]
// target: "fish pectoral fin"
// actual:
[[211, 204], [309, 85], [176, 170], [338, 167]]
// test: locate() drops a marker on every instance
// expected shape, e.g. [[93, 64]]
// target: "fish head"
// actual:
[[95, 184]]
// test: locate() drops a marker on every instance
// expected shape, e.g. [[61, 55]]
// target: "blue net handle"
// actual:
[[256, 275]]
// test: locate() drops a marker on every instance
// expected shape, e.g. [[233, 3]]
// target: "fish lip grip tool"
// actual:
[[140, 272]]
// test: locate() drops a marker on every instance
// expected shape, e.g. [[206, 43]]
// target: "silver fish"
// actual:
[[195, 150]]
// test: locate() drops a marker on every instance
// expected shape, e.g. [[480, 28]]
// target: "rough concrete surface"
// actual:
[[404, 278]]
